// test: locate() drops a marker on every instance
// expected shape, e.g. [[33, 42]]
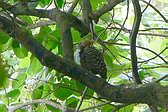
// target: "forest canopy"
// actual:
[[40, 67]]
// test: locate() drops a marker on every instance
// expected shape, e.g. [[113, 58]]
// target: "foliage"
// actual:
[[23, 77]]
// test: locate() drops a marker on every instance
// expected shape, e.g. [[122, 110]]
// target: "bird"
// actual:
[[92, 59]]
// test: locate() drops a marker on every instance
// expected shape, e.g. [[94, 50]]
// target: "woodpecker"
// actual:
[[92, 59]]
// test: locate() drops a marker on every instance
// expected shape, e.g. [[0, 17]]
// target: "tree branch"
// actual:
[[86, 10], [53, 14], [111, 4], [67, 41], [133, 36], [55, 105], [161, 78]]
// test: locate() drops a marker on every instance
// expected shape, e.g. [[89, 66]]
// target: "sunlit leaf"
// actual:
[[27, 19], [19, 50], [101, 32], [72, 102], [3, 108], [19, 80], [35, 66], [61, 92], [14, 93], [4, 79], [37, 92]]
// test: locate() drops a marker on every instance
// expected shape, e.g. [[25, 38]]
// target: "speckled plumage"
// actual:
[[92, 59]]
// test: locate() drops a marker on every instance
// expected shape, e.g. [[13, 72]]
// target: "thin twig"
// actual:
[[161, 78], [142, 33], [148, 29], [157, 55], [96, 106], [81, 100], [74, 4], [119, 107], [154, 34], [144, 68], [123, 22], [164, 18], [146, 7], [41, 23], [51, 103]]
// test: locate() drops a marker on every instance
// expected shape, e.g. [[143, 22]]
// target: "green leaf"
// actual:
[[51, 108], [47, 88], [108, 60], [19, 50], [14, 93], [27, 19], [60, 51], [101, 31], [142, 74], [51, 37], [164, 83], [80, 87], [125, 38], [106, 108], [163, 110], [4, 80], [3, 38], [45, 34], [137, 108], [44, 30], [37, 92], [110, 56], [3, 108], [20, 79], [114, 51], [75, 36], [56, 34], [72, 102], [21, 110], [61, 92], [35, 66], [25, 62], [45, 2], [129, 108], [106, 17], [115, 70], [66, 80], [4, 47], [41, 108], [90, 92], [96, 3], [60, 3], [50, 45]]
